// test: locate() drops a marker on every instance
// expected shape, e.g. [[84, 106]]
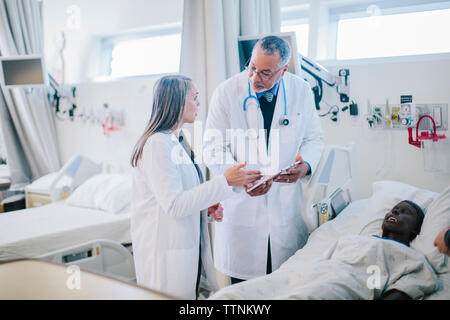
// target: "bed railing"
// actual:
[[101, 256]]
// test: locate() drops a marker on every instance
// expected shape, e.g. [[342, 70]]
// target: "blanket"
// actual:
[[355, 267]]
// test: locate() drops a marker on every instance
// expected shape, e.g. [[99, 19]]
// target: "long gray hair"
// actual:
[[169, 98]]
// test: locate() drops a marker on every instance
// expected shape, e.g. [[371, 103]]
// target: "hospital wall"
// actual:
[[133, 96], [380, 154], [81, 52], [94, 20], [386, 154]]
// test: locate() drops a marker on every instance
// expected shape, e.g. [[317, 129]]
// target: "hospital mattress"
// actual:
[[30, 233]]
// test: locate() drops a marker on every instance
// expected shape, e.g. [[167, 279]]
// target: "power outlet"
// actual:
[[439, 112]]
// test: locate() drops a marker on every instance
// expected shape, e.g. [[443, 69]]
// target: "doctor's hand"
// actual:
[[259, 191], [237, 177], [216, 212], [439, 242], [294, 173]]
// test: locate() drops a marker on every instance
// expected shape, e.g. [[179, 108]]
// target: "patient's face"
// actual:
[[402, 219]]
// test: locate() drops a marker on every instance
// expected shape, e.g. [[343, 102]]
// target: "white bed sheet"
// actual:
[[443, 293], [321, 239], [351, 221], [33, 232]]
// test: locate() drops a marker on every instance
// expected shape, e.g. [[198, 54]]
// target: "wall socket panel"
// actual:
[[439, 112], [391, 117]]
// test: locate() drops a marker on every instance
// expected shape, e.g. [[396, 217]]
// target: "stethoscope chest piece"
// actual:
[[284, 122]]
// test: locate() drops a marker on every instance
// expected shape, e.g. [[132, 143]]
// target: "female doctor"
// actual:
[[171, 246]]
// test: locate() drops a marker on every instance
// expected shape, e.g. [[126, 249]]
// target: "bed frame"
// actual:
[[105, 257]]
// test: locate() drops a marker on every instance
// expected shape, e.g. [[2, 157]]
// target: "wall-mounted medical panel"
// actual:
[[406, 115]]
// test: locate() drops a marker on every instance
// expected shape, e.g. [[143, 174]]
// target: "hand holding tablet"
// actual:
[[267, 178]]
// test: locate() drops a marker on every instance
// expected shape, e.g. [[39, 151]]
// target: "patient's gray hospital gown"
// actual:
[[355, 267]]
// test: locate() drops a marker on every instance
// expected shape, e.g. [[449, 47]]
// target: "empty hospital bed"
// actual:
[[91, 228], [42, 280]]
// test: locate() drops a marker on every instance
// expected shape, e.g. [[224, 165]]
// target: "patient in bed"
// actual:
[[355, 267]]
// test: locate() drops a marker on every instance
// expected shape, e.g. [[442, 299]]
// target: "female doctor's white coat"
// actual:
[[241, 239], [169, 219]]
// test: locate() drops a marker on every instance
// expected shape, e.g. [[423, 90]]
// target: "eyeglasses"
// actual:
[[264, 74]]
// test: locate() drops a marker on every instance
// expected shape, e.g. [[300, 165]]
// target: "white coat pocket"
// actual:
[[293, 132], [241, 210]]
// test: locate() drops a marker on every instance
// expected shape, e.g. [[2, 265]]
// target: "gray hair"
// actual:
[[270, 44], [169, 98]]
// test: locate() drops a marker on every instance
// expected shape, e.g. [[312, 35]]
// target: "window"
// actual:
[[301, 33], [401, 34], [294, 17], [152, 52]]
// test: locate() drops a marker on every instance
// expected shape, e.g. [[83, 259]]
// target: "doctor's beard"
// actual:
[[258, 86]]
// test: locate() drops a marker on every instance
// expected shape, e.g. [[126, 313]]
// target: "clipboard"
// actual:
[[270, 177]]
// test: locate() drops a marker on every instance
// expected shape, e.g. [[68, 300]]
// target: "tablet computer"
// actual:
[[270, 177]]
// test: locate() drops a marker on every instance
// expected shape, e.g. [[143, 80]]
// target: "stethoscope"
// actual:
[[284, 121]]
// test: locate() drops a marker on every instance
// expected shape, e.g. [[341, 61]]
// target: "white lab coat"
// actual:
[[167, 202], [240, 244]]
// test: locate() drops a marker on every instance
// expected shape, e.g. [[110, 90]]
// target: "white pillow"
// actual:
[[436, 219], [386, 194], [107, 192]]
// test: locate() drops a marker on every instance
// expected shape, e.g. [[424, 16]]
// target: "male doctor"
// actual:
[[275, 109]]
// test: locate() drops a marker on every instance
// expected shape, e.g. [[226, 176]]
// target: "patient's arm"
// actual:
[[394, 295]]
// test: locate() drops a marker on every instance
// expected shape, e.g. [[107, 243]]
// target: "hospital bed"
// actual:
[[42, 280], [364, 217], [335, 176], [91, 228], [336, 172]]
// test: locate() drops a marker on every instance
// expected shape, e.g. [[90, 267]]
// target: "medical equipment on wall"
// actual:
[[424, 135], [334, 110], [63, 99], [319, 73], [28, 71], [435, 147], [284, 120], [406, 114], [58, 185], [110, 119], [297, 63], [426, 118]]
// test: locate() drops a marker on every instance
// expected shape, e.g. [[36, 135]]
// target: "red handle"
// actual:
[[420, 119]]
